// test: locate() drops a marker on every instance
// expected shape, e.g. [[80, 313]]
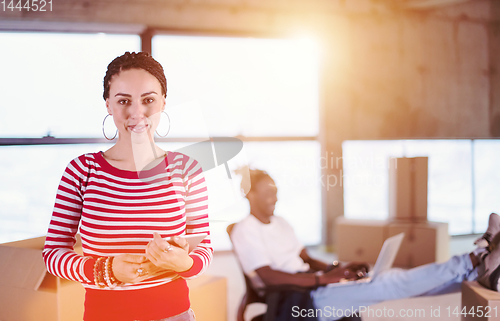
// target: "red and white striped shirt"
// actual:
[[116, 211]]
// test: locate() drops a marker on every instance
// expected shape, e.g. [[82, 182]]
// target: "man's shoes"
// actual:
[[489, 268], [491, 231]]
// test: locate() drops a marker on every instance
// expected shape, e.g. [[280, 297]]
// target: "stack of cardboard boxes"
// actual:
[[424, 242]]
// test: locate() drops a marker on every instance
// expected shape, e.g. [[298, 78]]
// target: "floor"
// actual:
[[225, 264]]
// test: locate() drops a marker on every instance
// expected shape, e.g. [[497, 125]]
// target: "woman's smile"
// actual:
[[139, 128]]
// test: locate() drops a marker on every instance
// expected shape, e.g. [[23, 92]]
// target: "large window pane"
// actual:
[[244, 86], [52, 82], [30, 176], [450, 182], [487, 181], [29, 186], [449, 179], [366, 179], [296, 170]]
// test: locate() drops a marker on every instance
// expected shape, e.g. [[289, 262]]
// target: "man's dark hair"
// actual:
[[256, 175], [139, 60]]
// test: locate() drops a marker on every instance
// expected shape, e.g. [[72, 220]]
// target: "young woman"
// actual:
[[124, 202]]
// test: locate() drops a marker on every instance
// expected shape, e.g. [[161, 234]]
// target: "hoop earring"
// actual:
[[104, 132], [168, 131]]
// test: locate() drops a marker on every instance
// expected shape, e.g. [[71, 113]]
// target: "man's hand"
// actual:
[[334, 276], [359, 268], [351, 271]]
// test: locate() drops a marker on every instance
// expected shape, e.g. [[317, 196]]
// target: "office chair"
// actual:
[[251, 296]]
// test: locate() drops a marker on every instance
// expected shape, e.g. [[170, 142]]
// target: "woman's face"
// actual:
[[136, 102]]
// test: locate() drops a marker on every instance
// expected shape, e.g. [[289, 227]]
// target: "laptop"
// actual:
[[384, 262]]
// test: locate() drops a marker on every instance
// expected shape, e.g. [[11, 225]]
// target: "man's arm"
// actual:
[[272, 277], [316, 265]]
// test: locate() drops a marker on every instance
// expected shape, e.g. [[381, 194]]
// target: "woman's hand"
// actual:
[[169, 257], [133, 268]]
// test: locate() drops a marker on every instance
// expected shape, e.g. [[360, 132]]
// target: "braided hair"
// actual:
[[139, 60]]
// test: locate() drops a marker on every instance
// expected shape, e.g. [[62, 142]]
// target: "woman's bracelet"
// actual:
[[111, 280], [103, 273], [99, 273]]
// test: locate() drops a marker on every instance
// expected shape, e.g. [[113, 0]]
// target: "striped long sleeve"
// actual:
[[117, 211]]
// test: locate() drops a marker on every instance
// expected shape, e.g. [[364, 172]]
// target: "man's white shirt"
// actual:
[[275, 244]]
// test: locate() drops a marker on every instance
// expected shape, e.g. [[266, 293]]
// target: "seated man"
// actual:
[[270, 254]]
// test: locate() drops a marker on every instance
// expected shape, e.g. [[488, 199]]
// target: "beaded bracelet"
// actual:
[[111, 280], [103, 273], [98, 273]]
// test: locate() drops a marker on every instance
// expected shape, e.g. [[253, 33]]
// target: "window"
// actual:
[[244, 86], [486, 181], [54, 82], [265, 90], [30, 176], [462, 179]]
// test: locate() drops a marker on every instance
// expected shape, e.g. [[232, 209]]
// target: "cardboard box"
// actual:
[[362, 240], [424, 242], [479, 303], [359, 240], [29, 293], [408, 188], [208, 296]]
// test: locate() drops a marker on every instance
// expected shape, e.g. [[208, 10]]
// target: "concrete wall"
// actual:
[[386, 72], [494, 70]]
